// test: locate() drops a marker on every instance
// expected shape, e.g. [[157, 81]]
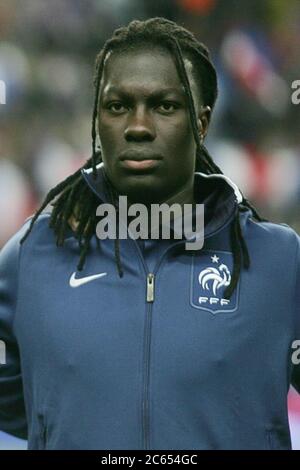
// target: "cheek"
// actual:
[[109, 133], [180, 135]]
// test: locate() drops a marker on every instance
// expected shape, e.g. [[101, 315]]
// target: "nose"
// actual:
[[140, 126]]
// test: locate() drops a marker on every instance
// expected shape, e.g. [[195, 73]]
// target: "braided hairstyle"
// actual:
[[72, 197]]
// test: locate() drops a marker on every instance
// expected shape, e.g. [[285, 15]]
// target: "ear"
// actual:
[[203, 121]]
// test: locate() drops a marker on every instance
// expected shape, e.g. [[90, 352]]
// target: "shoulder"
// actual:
[[39, 227], [14, 247], [276, 235], [271, 243]]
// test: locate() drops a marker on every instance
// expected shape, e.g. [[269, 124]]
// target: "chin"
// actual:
[[142, 188]]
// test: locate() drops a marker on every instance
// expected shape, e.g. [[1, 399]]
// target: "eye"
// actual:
[[116, 107], [168, 107]]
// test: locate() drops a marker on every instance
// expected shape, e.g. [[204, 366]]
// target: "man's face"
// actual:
[[144, 115]]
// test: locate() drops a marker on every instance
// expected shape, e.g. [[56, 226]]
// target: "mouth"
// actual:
[[137, 160]]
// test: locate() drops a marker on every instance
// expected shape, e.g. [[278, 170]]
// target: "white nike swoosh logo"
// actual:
[[83, 280]]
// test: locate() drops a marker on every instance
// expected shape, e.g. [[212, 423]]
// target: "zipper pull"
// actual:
[[150, 287]]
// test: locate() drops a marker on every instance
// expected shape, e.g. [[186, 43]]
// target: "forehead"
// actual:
[[143, 68]]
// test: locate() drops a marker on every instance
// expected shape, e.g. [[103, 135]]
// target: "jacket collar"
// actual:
[[217, 192]]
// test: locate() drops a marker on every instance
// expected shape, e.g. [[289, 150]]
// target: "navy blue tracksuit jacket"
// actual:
[[93, 363]]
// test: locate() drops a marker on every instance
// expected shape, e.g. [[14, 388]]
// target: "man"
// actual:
[[174, 349]]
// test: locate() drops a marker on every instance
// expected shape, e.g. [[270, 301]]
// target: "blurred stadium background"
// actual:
[[47, 52]]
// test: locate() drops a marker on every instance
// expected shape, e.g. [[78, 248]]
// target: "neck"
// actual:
[[184, 196]]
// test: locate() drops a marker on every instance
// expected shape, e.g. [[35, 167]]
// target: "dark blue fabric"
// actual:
[[99, 367]]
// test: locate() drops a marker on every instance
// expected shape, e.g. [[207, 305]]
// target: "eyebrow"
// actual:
[[156, 93]]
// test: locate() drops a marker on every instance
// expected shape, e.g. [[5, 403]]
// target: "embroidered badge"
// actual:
[[211, 274]]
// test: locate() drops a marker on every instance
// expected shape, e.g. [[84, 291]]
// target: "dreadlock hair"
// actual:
[[73, 197]]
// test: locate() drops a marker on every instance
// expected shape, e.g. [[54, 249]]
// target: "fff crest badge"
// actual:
[[211, 274]]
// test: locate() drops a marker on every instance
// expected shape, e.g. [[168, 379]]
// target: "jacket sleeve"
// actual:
[[12, 408], [296, 347]]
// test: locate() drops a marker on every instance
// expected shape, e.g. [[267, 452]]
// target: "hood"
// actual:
[[217, 192]]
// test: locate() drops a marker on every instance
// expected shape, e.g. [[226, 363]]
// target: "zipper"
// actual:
[[150, 287], [145, 401], [43, 433], [45, 436], [150, 278]]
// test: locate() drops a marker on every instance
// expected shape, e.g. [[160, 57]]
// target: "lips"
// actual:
[[140, 164], [137, 160], [138, 156]]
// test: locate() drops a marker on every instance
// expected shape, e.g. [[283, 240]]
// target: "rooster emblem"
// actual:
[[218, 276]]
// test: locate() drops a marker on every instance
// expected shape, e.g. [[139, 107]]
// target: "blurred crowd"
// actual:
[[47, 53]]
